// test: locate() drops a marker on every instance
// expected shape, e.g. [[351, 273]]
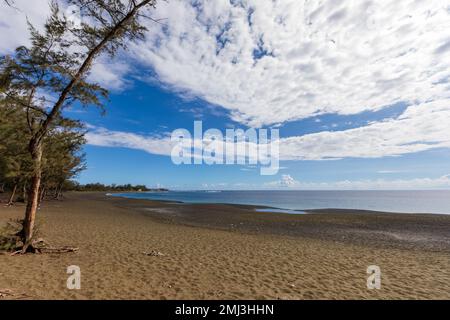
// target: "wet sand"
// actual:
[[228, 252]]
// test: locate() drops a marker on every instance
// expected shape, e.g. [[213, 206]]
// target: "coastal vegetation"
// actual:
[[62, 161], [74, 186], [40, 147]]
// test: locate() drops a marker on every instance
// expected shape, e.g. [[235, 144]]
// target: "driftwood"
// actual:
[[10, 294], [153, 253], [4, 293], [64, 249], [40, 246]]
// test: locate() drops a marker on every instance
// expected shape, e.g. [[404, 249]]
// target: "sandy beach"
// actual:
[[227, 252]]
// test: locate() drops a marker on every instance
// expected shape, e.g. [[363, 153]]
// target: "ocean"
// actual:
[[388, 201]]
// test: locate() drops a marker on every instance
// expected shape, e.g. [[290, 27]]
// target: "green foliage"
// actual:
[[63, 156], [62, 159], [9, 239], [15, 160], [39, 81]]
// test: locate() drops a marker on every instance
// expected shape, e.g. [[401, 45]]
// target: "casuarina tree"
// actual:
[[52, 73]]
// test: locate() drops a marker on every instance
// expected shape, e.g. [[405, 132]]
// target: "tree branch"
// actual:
[[84, 68]]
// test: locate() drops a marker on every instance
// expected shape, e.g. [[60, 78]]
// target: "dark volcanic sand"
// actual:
[[396, 230]]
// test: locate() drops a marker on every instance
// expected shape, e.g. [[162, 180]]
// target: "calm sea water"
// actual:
[[389, 201]]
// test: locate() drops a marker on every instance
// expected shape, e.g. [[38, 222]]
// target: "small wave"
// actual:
[[280, 211]]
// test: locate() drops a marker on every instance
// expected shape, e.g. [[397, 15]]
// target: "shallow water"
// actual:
[[280, 211], [389, 201]]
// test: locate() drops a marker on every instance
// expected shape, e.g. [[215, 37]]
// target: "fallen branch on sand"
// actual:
[[8, 293], [64, 249], [40, 246], [153, 253]]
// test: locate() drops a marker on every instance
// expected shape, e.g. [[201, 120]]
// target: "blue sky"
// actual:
[[359, 91], [146, 110]]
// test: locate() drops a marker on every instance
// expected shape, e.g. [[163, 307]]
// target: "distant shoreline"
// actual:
[[277, 209]]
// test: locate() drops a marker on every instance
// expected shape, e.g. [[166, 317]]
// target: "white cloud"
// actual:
[[420, 128], [321, 57], [119, 139], [14, 32], [275, 61], [388, 171], [377, 184], [286, 181], [163, 145], [13, 22], [111, 75]]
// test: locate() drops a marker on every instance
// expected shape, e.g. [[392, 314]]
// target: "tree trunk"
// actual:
[[42, 195], [13, 193], [24, 192], [59, 191], [33, 195], [35, 146]]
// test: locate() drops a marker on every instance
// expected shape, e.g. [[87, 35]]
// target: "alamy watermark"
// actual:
[[74, 280], [374, 279], [236, 146]]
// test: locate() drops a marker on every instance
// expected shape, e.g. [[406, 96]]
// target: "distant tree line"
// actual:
[[74, 186]]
